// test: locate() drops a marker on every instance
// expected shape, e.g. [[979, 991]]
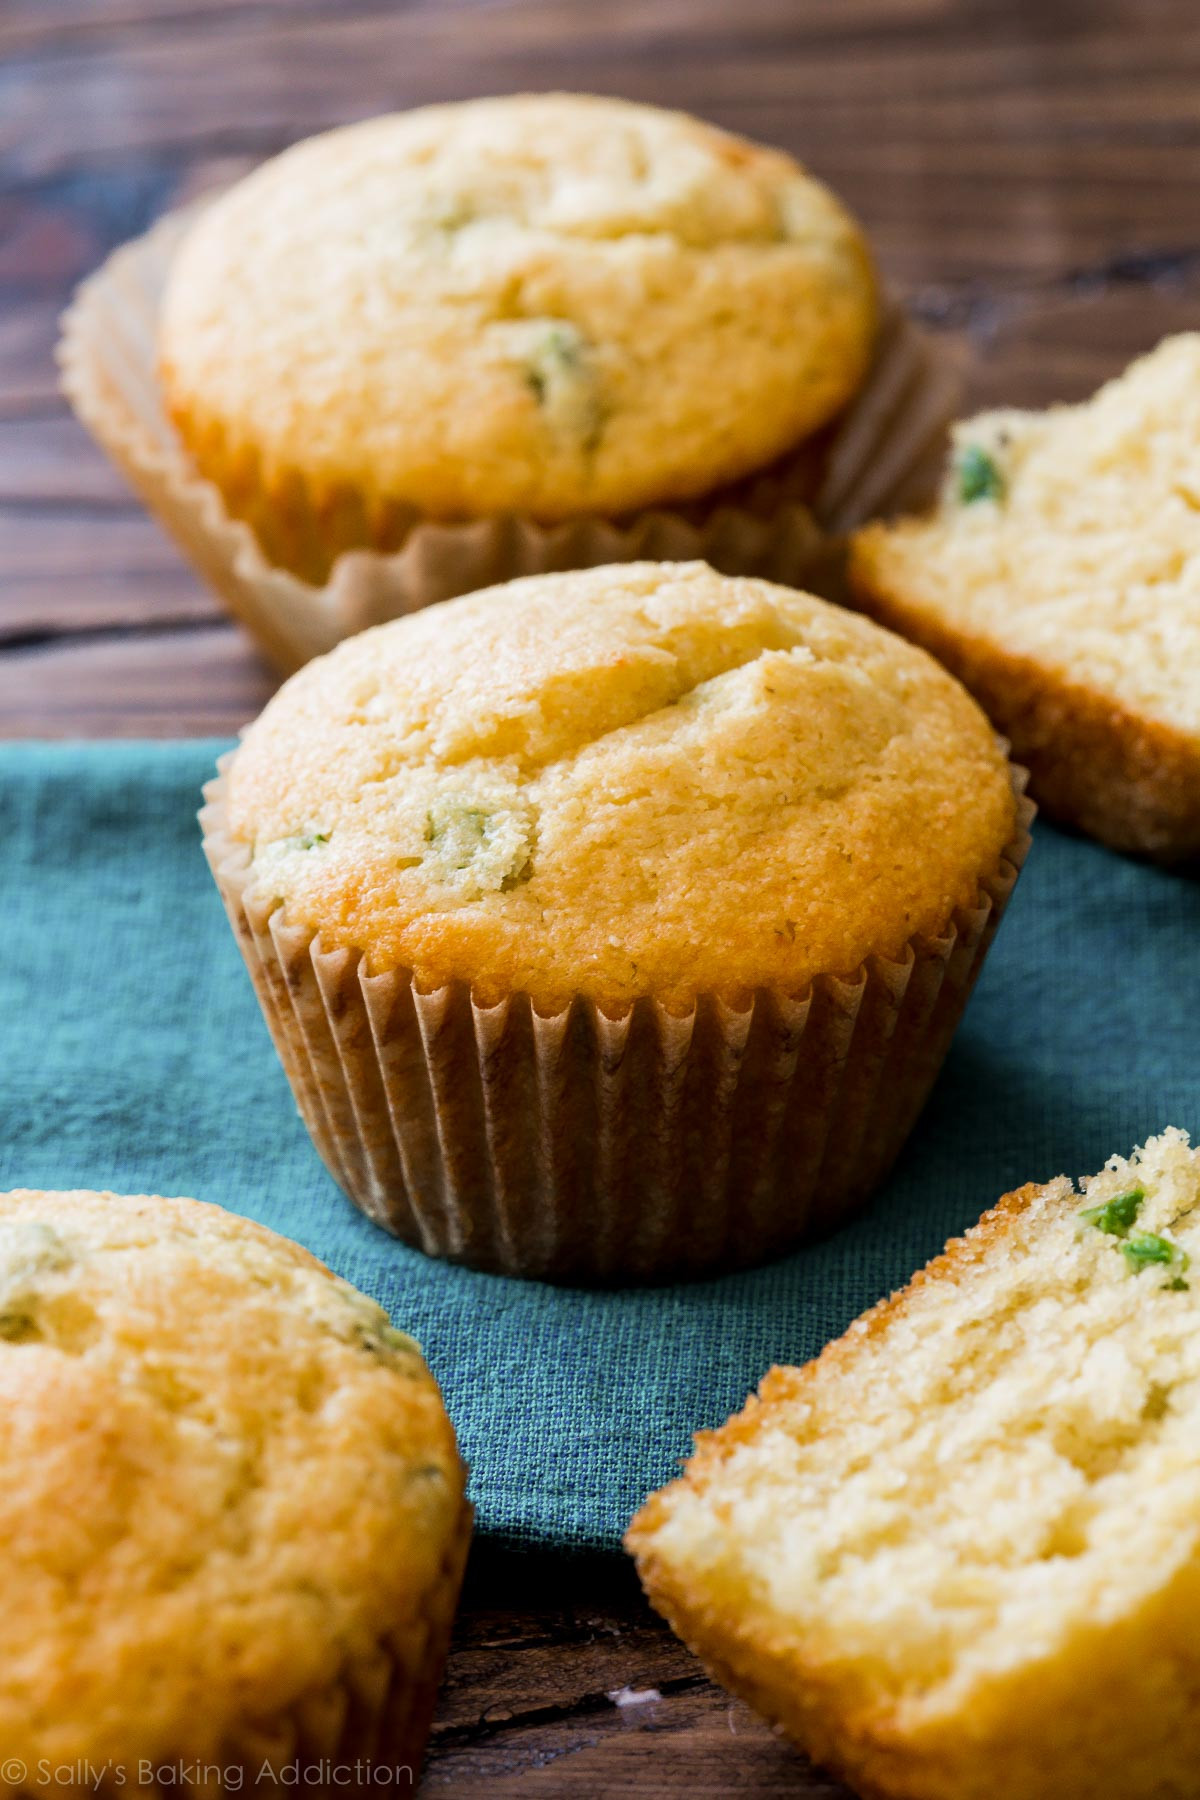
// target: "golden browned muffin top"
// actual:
[[548, 304], [224, 1478], [648, 778]]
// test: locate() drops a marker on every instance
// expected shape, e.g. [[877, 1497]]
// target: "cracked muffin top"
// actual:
[[548, 304], [226, 1483], [641, 779]]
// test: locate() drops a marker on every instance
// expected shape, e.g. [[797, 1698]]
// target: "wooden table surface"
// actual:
[[1030, 173]]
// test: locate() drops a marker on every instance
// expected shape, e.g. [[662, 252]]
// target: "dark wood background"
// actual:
[[1030, 173]]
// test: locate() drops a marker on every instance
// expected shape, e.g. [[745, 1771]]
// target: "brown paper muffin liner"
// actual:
[[883, 454], [378, 1713], [584, 1147], [366, 1733]]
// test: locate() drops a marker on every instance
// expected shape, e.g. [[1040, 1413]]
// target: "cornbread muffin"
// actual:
[[230, 1500], [543, 305], [1060, 579], [958, 1556], [645, 779], [643, 814]]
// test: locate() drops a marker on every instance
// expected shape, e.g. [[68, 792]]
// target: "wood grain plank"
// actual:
[[51, 461], [562, 1680], [944, 83], [1062, 343], [70, 572], [693, 1741], [201, 682], [1009, 164], [52, 27], [28, 376], [31, 28], [55, 228]]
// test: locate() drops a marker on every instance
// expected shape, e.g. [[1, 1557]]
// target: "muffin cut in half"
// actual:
[[231, 1505], [615, 923], [958, 1555], [1060, 580]]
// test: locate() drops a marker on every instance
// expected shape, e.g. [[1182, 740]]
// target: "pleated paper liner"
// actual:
[[884, 453], [380, 1709], [582, 1147]]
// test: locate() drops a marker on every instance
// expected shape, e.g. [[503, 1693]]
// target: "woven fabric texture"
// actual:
[[134, 1058]]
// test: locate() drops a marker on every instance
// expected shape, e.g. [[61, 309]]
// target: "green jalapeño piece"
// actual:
[[1116, 1215], [979, 476], [1146, 1250]]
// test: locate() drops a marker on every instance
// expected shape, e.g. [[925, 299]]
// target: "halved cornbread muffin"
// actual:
[[958, 1555], [1060, 580]]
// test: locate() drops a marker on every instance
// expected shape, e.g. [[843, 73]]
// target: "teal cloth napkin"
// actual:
[[133, 1056]]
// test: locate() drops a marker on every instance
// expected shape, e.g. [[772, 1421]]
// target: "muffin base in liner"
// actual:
[[359, 1735], [379, 1713], [584, 1147], [883, 454]]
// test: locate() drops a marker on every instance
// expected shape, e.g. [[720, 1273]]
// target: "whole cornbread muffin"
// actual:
[[231, 1506], [544, 305], [641, 812]]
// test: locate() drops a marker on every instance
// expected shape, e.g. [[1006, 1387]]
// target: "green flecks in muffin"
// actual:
[[311, 838], [385, 1341], [449, 213], [476, 847], [1117, 1215], [364, 1323], [1146, 1250], [557, 357], [29, 1249], [1146, 1247], [457, 830], [977, 476], [560, 373]]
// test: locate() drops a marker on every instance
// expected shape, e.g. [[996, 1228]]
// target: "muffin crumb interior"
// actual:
[[1072, 537], [1004, 1462]]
